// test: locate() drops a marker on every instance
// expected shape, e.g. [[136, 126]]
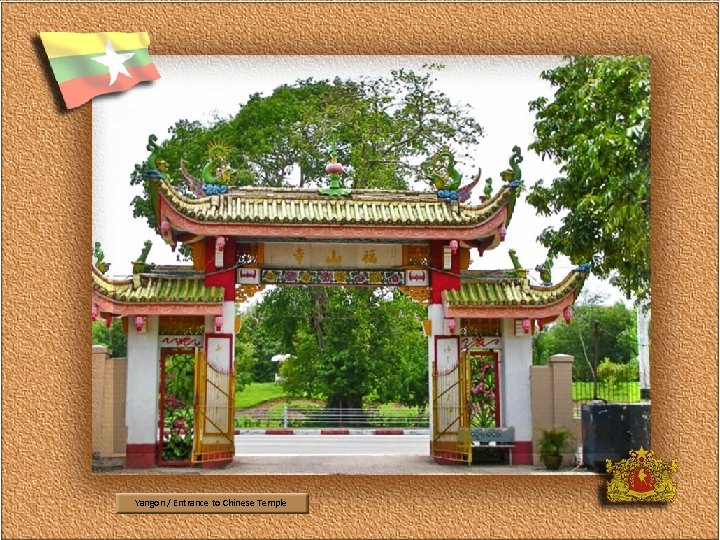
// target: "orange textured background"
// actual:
[[48, 489]]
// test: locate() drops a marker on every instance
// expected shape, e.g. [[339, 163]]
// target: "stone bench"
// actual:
[[497, 437]]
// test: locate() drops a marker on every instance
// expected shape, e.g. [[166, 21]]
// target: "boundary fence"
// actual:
[[314, 417], [620, 392]]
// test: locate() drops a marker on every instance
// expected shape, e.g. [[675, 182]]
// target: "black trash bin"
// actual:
[[611, 430]]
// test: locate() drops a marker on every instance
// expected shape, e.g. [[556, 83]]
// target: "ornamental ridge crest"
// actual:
[[641, 478]]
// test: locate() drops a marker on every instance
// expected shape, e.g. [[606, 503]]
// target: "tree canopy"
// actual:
[[385, 130], [597, 128]]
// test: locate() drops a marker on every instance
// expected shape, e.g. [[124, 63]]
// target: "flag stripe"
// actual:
[[71, 67], [82, 89], [59, 44]]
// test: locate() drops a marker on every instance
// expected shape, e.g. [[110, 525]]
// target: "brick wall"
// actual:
[[109, 433], [551, 402]]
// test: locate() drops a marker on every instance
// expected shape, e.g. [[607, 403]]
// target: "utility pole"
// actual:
[[596, 343], [643, 324]]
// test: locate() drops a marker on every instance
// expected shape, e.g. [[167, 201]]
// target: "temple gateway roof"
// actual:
[[156, 295], [369, 214], [492, 295]]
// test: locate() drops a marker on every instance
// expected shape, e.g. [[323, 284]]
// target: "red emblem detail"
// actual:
[[641, 480]]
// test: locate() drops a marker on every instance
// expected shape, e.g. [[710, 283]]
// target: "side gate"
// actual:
[[451, 420], [214, 439]]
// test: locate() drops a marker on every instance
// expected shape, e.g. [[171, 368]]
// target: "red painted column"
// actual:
[[440, 279], [221, 277], [140, 456], [522, 454]]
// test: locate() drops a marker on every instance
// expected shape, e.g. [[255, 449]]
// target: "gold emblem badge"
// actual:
[[641, 478]]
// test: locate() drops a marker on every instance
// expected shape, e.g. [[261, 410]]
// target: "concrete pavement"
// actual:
[[351, 465]]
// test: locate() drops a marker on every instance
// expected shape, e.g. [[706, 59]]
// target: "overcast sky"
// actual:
[[497, 89]]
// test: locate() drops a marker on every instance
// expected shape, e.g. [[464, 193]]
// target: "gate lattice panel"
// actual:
[[451, 376], [214, 405]]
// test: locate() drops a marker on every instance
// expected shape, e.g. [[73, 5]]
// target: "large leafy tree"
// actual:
[[597, 129], [617, 338], [385, 131]]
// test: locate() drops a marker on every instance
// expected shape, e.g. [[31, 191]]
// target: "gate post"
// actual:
[[435, 316], [515, 381], [141, 406]]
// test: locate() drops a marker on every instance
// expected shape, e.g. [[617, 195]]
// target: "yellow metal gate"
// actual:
[[214, 439], [451, 387]]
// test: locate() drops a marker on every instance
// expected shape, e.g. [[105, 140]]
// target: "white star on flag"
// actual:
[[114, 61]]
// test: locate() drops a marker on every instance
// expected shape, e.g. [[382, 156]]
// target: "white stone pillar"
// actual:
[[436, 318], [515, 386], [643, 338], [141, 405]]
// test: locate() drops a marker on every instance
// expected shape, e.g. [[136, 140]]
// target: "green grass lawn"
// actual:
[[256, 393], [625, 392]]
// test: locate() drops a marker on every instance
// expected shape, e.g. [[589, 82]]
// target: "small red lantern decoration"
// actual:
[[218, 323], [526, 325], [95, 311], [450, 325], [165, 227], [140, 324], [567, 314], [454, 245], [502, 232], [108, 321], [219, 248]]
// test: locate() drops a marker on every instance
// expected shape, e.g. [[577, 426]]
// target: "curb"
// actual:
[[330, 431]]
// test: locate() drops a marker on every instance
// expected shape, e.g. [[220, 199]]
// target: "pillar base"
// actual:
[[219, 464], [140, 456], [522, 454]]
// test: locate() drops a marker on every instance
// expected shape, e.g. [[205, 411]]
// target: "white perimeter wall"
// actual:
[[515, 387], [143, 369]]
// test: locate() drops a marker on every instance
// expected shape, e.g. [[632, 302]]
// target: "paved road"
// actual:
[[330, 445]]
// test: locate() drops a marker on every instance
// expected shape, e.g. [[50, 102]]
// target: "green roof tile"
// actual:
[[158, 289], [362, 207], [493, 289]]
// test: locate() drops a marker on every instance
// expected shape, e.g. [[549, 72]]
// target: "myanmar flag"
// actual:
[[88, 65]]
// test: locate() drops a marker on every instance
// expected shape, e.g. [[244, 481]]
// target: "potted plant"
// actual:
[[553, 442]]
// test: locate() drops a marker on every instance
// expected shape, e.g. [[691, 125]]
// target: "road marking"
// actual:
[[324, 455]]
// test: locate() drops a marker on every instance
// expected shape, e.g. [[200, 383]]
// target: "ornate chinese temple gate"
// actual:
[[245, 238]]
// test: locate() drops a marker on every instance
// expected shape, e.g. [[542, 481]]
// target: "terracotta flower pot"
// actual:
[[552, 462]]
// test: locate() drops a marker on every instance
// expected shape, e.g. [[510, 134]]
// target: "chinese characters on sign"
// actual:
[[180, 341]]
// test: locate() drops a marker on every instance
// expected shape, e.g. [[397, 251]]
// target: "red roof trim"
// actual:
[[510, 312], [114, 307]]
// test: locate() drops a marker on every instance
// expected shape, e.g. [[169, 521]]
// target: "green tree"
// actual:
[[617, 341], [113, 338], [349, 346], [386, 130], [597, 128]]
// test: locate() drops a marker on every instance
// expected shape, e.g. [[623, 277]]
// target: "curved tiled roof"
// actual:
[[282, 206], [494, 290], [157, 290]]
